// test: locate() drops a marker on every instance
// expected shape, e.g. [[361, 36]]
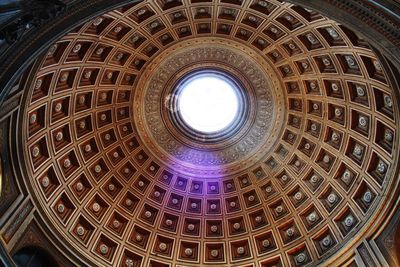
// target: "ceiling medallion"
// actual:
[[213, 153]]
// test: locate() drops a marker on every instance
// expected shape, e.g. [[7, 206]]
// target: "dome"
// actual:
[[199, 133]]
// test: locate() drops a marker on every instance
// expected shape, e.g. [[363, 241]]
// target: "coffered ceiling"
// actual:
[[304, 177]]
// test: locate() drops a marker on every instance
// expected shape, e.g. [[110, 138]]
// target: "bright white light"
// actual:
[[208, 103]]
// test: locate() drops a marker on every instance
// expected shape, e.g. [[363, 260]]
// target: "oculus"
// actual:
[[208, 105], [208, 102]]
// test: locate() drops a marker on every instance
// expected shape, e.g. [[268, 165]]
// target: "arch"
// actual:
[[34, 257]]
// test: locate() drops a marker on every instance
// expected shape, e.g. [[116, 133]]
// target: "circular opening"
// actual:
[[207, 105], [208, 102]]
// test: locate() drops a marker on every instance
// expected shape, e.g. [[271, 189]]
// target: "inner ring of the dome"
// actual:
[[208, 105]]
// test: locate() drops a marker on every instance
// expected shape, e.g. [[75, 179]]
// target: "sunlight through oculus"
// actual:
[[208, 103]]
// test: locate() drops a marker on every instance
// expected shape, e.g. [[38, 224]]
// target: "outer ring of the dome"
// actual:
[[346, 251]]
